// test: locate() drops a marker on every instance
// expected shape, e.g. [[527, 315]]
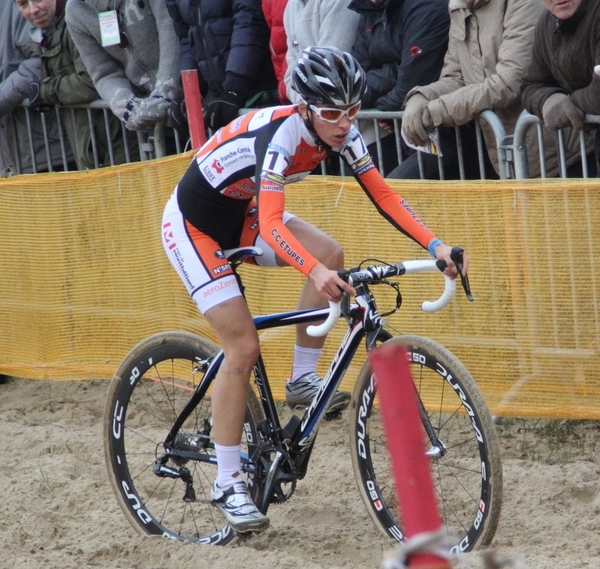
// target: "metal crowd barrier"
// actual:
[[521, 165], [163, 140], [372, 117], [43, 133]]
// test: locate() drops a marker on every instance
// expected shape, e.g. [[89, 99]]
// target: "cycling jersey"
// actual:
[[256, 156]]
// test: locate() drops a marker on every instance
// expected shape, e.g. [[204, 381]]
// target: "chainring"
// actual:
[[284, 479]]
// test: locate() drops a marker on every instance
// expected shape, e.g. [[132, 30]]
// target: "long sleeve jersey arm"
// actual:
[[280, 162], [389, 204]]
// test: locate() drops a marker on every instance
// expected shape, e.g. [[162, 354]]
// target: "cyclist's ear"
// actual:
[[303, 108]]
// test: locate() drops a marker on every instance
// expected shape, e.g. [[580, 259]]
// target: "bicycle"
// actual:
[[157, 424]]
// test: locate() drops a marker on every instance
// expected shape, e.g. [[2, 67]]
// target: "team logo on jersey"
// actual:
[[219, 254], [217, 165], [221, 269], [271, 188], [209, 175]]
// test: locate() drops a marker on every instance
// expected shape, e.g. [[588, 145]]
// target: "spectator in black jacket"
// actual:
[[228, 42], [400, 44]]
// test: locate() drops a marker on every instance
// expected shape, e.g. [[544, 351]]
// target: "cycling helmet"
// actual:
[[329, 75]]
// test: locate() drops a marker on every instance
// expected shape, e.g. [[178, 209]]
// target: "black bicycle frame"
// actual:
[[363, 319]]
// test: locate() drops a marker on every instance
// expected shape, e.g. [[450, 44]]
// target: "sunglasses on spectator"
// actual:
[[334, 114]]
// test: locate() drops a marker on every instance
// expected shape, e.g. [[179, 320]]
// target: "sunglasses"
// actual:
[[333, 114]]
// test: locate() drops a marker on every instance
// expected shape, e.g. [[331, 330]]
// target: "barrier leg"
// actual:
[[406, 445], [193, 105]]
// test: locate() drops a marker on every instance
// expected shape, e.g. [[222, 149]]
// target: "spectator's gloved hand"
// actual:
[[223, 110], [559, 111], [35, 98], [143, 114], [413, 129], [178, 118]]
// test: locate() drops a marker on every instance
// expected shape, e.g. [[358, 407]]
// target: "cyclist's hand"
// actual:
[[443, 253], [328, 283]]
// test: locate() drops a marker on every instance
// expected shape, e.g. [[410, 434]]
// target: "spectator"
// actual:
[[316, 23], [20, 66], [400, 44], [273, 11], [488, 53], [560, 86], [66, 82], [139, 76], [228, 42]]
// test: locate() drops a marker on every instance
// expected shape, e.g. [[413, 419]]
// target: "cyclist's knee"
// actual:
[[242, 351]]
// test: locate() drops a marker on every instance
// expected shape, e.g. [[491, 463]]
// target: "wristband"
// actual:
[[433, 245]]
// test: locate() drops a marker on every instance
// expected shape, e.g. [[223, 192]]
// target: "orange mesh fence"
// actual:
[[85, 278]]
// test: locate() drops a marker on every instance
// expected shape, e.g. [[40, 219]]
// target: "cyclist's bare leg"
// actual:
[[330, 253], [235, 330]]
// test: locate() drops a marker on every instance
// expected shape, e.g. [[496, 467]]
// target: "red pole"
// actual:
[[193, 105], [406, 445]]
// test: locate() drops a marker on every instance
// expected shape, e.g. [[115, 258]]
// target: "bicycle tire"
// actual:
[[150, 388], [467, 479]]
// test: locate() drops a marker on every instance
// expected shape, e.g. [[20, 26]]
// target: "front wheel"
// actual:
[[161, 492], [465, 462]]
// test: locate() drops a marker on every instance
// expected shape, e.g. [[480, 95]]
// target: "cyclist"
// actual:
[[232, 195]]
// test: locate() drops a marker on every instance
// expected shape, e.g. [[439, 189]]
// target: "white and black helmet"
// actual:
[[329, 75]]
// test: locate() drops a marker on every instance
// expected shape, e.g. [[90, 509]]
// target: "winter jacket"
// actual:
[[488, 53], [20, 66], [228, 41], [564, 55], [316, 23], [400, 44], [67, 82], [273, 11], [145, 65]]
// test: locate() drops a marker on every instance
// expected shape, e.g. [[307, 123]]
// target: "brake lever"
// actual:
[[457, 256]]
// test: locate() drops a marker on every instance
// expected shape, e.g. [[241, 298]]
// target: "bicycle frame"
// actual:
[[297, 438], [363, 320]]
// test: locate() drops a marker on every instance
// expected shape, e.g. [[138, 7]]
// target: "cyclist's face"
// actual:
[[39, 13], [330, 133]]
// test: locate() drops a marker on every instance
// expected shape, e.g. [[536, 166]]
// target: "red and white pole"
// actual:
[[406, 445], [193, 105]]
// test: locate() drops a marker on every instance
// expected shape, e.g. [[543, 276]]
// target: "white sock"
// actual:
[[305, 361], [229, 465]]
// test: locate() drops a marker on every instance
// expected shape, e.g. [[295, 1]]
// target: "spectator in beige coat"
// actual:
[[488, 54]]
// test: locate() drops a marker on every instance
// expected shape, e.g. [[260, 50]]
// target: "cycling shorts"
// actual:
[[199, 260]]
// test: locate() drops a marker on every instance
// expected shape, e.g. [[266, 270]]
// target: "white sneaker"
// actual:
[[302, 392], [237, 506]]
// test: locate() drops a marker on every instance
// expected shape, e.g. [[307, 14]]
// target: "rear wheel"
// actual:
[[467, 473], [161, 493]]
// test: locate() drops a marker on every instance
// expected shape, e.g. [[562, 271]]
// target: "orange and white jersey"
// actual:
[[256, 156]]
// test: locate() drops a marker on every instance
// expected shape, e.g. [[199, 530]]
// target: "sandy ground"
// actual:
[[57, 509]]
